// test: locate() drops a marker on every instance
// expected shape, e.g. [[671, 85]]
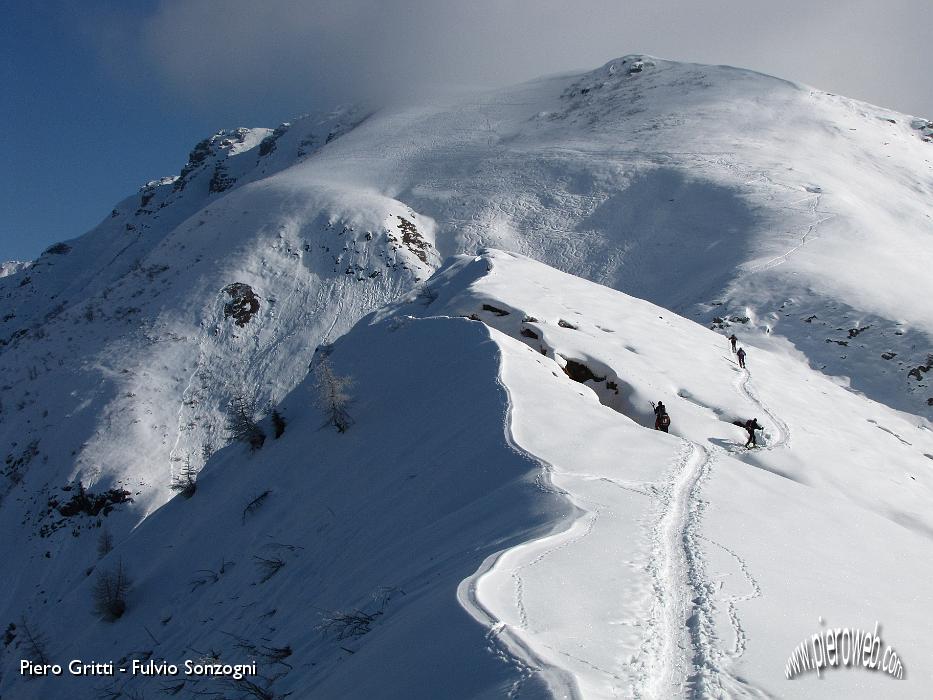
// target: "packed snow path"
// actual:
[[677, 647], [708, 665], [686, 660]]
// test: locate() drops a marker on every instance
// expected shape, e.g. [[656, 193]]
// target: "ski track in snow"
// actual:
[[666, 644], [740, 634], [814, 210], [589, 522], [679, 654], [744, 387], [711, 676]]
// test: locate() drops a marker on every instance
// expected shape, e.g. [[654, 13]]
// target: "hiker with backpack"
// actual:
[[733, 340], [741, 355], [751, 426], [662, 421]]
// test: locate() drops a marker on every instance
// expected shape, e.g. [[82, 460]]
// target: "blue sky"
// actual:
[[96, 98], [79, 134]]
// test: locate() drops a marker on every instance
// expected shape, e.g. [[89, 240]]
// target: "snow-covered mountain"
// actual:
[[500, 526]]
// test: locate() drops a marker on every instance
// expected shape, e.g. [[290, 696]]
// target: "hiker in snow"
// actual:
[[733, 340], [662, 421], [741, 355], [751, 426]]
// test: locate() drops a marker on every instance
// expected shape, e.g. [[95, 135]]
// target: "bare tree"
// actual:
[[110, 592], [333, 394], [242, 422], [268, 567], [278, 422], [249, 689], [104, 542], [34, 644], [255, 504], [347, 624]]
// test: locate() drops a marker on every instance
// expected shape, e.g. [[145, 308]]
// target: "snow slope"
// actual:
[[798, 219], [523, 533]]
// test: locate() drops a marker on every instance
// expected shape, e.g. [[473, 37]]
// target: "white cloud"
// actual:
[[317, 52]]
